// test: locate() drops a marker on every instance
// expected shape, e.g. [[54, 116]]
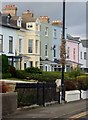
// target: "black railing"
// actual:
[[36, 93]]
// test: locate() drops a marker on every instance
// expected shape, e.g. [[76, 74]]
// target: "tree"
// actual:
[[4, 63]]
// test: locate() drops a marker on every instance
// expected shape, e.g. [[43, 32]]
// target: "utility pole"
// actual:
[[63, 54]]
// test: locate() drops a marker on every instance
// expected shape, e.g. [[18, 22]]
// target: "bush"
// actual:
[[75, 73], [82, 82], [70, 85], [33, 70], [4, 60], [21, 74], [12, 70], [6, 75]]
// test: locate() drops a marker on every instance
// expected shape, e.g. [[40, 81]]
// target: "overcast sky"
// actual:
[[75, 13]]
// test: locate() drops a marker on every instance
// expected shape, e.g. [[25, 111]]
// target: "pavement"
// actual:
[[50, 112]]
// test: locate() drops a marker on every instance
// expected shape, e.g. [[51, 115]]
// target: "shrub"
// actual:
[[6, 75], [33, 70], [12, 70], [21, 74], [75, 73], [82, 82], [4, 63], [70, 85]]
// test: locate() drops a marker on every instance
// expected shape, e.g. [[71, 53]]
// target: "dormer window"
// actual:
[[36, 26], [19, 22], [30, 26]]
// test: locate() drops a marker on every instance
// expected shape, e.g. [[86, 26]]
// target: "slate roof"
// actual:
[[84, 43], [3, 22], [69, 37]]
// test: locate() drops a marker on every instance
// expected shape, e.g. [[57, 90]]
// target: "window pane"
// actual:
[[36, 46], [74, 53], [20, 45], [46, 31], [1, 42], [30, 46], [46, 52], [80, 55], [54, 33], [85, 55], [10, 44]]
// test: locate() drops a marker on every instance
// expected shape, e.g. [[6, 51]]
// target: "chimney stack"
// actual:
[[57, 23], [27, 15], [10, 9], [44, 19]]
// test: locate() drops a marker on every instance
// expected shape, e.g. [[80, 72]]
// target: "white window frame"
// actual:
[[36, 46], [1, 43], [74, 51], [10, 44], [68, 52], [46, 50], [80, 55], [30, 46], [46, 31], [20, 45], [55, 33], [85, 55]]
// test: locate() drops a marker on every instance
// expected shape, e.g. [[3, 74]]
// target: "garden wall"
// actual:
[[73, 95], [9, 103], [84, 94]]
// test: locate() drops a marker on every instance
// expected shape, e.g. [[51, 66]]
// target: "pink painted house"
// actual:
[[72, 52]]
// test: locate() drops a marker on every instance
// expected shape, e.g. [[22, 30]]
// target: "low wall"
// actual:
[[84, 94], [9, 103], [72, 95]]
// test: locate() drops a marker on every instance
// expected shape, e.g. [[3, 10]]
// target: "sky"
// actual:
[[75, 13]]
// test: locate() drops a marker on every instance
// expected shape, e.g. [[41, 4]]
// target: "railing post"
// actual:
[[37, 93], [44, 94], [59, 96]]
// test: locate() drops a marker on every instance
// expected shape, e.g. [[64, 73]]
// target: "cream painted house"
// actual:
[[29, 39], [31, 45]]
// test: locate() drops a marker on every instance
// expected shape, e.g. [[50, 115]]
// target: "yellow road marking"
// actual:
[[80, 115]]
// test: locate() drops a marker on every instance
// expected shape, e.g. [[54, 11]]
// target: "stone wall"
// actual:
[[9, 103]]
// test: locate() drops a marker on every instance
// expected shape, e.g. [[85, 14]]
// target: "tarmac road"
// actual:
[[51, 112]]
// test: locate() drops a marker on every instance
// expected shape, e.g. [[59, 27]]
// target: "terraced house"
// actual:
[[83, 54], [50, 41], [8, 41], [29, 41], [72, 52], [27, 37]]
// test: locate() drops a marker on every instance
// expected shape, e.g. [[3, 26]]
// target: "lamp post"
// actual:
[[63, 54]]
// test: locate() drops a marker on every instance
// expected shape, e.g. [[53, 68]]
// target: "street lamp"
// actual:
[[63, 54]]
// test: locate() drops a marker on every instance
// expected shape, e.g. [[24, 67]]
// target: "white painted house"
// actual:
[[8, 40], [83, 54]]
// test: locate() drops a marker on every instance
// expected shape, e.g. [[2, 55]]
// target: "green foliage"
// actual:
[[70, 85], [21, 74], [12, 70], [82, 82], [75, 73], [33, 70], [4, 60], [6, 75]]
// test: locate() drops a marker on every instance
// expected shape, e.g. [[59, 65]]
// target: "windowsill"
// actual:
[[10, 52], [54, 37], [46, 35], [1, 52]]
